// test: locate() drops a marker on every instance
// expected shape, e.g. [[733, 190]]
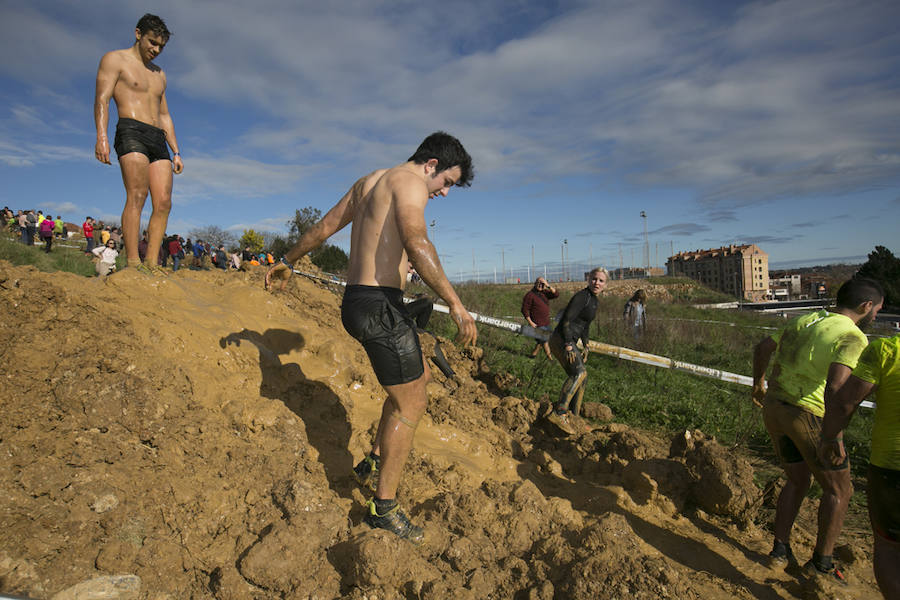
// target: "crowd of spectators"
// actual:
[[103, 242]]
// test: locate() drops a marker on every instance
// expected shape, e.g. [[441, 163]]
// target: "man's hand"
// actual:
[[465, 324], [759, 393], [831, 453], [571, 354], [280, 272], [177, 165], [101, 150]]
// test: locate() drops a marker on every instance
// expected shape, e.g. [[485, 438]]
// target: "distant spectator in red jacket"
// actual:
[[536, 310], [175, 251], [88, 229]]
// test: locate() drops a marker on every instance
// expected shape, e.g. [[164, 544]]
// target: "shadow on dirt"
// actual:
[[321, 410]]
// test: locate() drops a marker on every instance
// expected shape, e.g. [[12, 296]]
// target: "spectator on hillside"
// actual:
[[164, 251], [116, 235], [536, 310], [246, 254], [59, 227], [188, 247], [814, 355], [107, 258], [221, 258], [22, 219], [635, 314], [30, 227], [235, 262], [88, 229], [198, 253], [142, 246], [175, 251], [46, 232]]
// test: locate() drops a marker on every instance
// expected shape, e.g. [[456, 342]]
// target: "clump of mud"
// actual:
[[193, 436]]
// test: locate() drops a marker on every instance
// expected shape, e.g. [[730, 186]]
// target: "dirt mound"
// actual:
[[193, 436]]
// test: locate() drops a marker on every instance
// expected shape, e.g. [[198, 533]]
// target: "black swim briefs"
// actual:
[[135, 136], [883, 493], [376, 317]]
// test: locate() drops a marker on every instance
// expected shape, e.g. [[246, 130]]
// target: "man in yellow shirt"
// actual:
[[814, 355], [878, 369]]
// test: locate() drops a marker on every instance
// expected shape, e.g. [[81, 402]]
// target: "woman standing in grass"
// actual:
[[573, 326]]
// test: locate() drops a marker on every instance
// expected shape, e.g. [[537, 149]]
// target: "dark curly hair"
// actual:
[[449, 153]]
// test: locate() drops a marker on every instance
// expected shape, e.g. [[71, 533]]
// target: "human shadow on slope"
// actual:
[[326, 420], [587, 491]]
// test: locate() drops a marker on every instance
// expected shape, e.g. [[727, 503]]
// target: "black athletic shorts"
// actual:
[[135, 136], [883, 493], [377, 318]]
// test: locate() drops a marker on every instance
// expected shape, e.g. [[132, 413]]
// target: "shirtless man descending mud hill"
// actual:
[[145, 126], [387, 208]]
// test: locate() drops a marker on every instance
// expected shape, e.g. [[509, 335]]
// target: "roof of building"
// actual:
[[729, 250]]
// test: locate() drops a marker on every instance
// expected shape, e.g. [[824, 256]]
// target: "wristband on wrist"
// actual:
[[176, 154]]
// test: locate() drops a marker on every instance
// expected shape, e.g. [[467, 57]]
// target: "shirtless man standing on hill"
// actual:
[[387, 208], [145, 126]]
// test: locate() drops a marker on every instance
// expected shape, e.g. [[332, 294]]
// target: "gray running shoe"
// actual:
[[395, 521]]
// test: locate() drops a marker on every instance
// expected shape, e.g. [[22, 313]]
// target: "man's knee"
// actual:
[[837, 483]]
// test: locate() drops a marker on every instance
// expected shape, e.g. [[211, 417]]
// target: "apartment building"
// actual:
[[741, 271]]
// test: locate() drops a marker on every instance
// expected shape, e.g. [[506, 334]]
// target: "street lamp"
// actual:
[[646, 245]]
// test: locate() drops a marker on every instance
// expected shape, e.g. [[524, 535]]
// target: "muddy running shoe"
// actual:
[[781, 556], [158, 271], [144, 270], [832, 575], [395, 521], [366, 472], [561, 421]]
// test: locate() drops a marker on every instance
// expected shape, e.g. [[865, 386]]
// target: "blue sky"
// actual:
[[775, 122]]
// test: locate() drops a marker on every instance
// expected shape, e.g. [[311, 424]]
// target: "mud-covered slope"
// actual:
[[192, 437]]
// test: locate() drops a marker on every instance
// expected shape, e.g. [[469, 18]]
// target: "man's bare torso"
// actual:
[[139, 88], [377, 254]]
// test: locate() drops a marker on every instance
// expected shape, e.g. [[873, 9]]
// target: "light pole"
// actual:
[[566, 260], [646, 244]]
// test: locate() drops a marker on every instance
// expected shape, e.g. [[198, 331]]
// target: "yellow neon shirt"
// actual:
[[807, 346], [880, 364]]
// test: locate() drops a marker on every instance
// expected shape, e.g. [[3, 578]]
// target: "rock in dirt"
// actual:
[[723, 481], [117, 587], [597, 410]]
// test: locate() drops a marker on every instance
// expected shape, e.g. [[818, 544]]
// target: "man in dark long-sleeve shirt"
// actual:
[[573, 326]]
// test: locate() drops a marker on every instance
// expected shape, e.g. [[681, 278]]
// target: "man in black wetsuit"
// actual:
[[575, 325]]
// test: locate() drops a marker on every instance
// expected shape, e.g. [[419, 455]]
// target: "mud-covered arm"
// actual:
[[839, 408], [334, 220], [107, 75], [409, 205], [762, 354]]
